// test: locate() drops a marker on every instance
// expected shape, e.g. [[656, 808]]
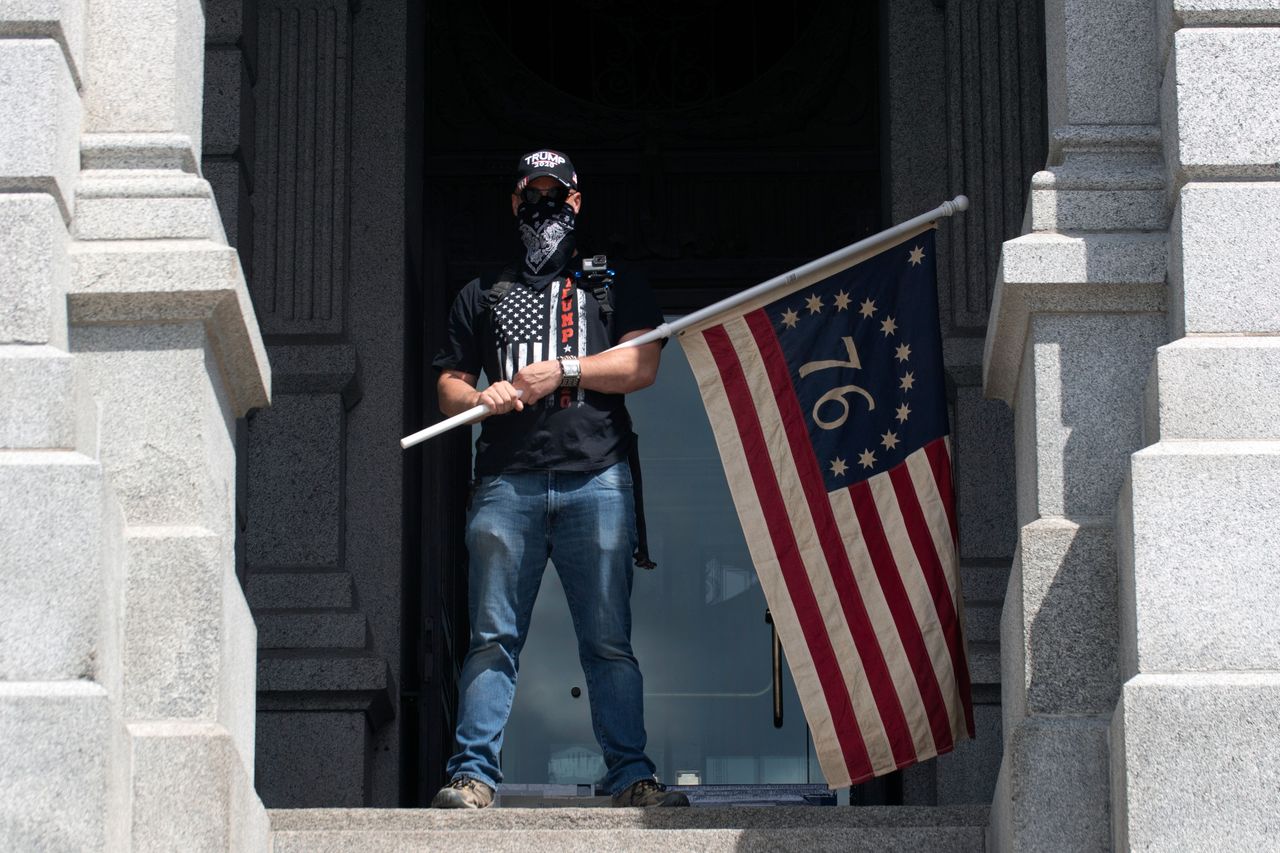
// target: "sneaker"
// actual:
[[463, 793], [648, 792]]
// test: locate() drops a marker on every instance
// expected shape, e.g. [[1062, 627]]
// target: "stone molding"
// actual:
[[33, 270], [157, 620], [1077, 313], [154, 281], [38, 386], [1052, 793], [1067, 273], [317, 369], [1196, 520], [173, 151], [139, 204], [327, 680], [1102, 137], [192, 791], [1223, 266], [56, 733]]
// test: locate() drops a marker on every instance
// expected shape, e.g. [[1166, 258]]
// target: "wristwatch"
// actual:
[[570, 371]]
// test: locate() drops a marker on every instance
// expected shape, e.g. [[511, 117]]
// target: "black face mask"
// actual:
[[546, 229]]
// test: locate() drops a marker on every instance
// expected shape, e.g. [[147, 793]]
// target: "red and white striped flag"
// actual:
[[829, 409]]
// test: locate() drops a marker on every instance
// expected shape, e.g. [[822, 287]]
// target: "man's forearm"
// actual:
[[456, 395], [621, 371]]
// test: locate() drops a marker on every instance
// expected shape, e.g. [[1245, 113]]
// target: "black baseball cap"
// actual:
[[544, 161]]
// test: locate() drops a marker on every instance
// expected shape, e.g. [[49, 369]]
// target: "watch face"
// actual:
[[570, 371]]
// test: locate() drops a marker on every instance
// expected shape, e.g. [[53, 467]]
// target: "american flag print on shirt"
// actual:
[[535, 325], [829, 409]]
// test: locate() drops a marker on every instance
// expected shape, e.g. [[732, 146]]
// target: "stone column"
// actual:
[[165, 338], [1195, 750], [965, 114], [1076, 320], [62, 756], [324, 538]]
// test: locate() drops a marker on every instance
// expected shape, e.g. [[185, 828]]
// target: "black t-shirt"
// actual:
[[576, 430]]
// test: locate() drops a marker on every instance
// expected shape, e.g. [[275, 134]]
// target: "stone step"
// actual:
[[883, 829]]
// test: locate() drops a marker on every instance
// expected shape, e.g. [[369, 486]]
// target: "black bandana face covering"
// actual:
[[546, 229]]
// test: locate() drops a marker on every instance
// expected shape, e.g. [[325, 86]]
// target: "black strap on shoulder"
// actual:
[[599, 280], [496, 290]]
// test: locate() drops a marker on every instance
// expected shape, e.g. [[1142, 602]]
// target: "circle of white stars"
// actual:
[[867, 309]]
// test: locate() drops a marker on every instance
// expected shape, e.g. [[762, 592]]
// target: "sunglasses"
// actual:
[[533, 195]]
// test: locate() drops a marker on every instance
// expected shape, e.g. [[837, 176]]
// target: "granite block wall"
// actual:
[[63, 765], [127, 348], [1076, 321], [1198, 509]]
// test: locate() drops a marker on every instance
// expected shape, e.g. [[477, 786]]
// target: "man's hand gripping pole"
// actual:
[[475, 413]]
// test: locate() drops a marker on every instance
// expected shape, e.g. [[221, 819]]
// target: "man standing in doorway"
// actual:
[[552, 481]]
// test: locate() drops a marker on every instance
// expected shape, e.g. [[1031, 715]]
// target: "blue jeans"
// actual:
[[585, 522]]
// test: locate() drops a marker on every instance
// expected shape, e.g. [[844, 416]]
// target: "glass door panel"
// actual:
[[699, 631]]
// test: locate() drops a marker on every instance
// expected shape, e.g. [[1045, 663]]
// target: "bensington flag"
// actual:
[[829, 409]]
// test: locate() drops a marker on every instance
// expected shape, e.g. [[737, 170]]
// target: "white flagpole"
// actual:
[[797, 278]]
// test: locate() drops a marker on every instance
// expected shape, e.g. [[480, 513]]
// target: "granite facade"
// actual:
[[129, 347], [190, 190], [1160, 602]]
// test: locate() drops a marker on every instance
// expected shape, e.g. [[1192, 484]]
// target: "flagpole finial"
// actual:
[[957, 204]]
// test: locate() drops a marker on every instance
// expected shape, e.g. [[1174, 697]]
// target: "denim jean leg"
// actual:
[[507, 541], [593, 537]]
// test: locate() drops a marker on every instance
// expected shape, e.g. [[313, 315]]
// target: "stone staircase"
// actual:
[[600, 830]]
